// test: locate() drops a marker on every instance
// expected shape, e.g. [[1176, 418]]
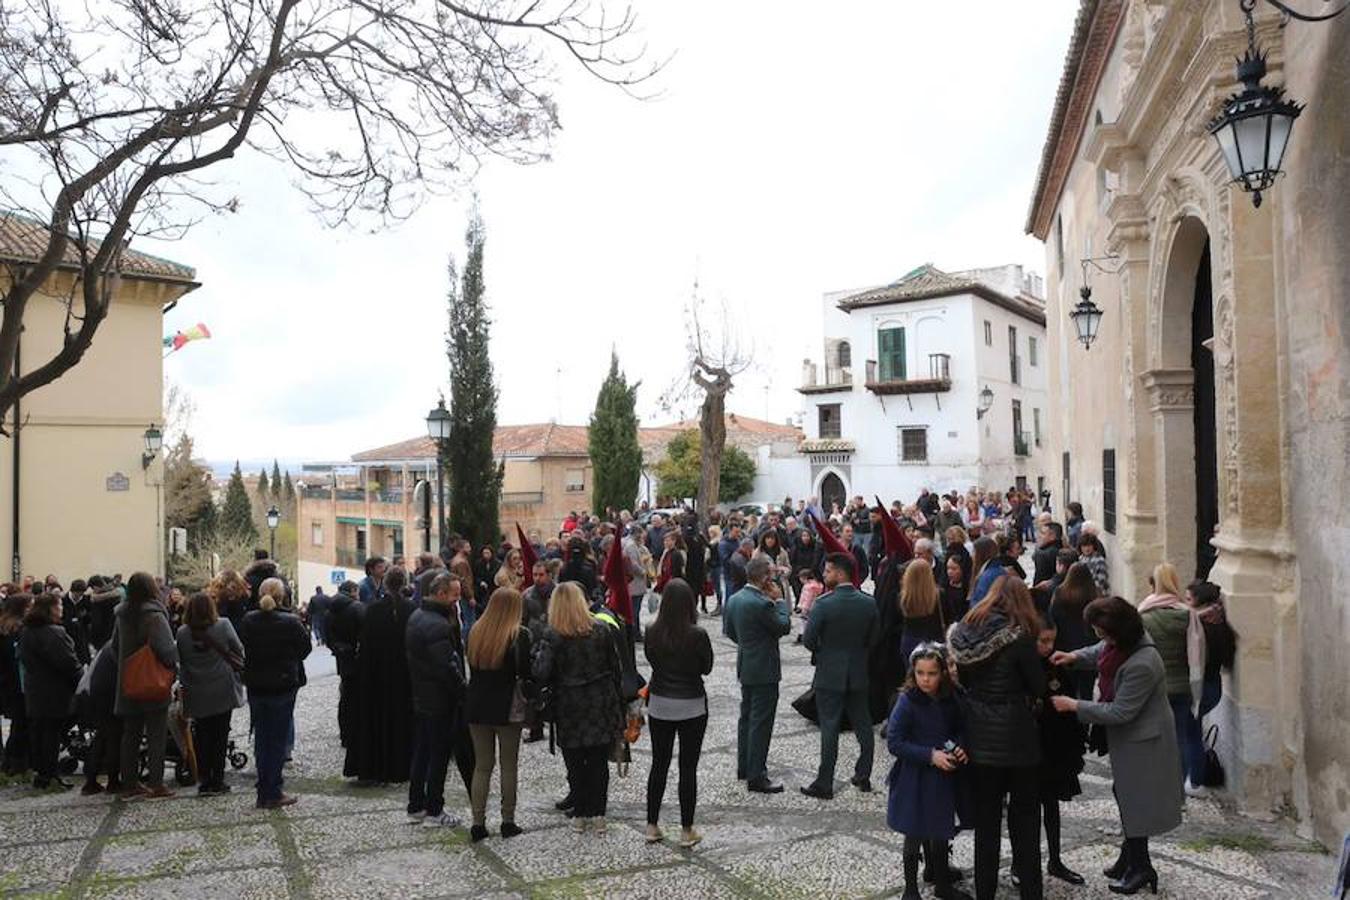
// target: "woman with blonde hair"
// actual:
[[511, 574], [275, 647], [579, 660], [230, 592], [920, 611], [499, 664], [1179, 635]]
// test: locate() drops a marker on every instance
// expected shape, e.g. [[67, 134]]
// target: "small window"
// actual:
[[914, 444], [1014, 363], [891, 354], [1065, 484], [845, 355], [360, 542], [988, 334], [828, 420], [1036, 425], [1059, 245], [316, 533], [575, 480], [1031, 351], [1109, 491], [396, 540]]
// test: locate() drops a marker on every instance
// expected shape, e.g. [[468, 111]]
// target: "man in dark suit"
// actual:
[[756, 617], [840, 633]]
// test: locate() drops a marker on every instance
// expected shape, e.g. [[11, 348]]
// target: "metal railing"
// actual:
[[349, 558], [1021, 443]]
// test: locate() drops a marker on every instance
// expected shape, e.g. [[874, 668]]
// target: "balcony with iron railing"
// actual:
[[836, 380], [1015, 368], [1021, 443], [939, 378]]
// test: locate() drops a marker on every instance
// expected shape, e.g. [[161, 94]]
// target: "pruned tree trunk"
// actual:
[[712, 428]]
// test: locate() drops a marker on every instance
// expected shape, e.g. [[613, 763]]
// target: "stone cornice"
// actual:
[[1169, 389]]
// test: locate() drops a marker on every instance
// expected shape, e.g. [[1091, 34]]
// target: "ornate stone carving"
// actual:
[[1225, 378], [1221, 238]]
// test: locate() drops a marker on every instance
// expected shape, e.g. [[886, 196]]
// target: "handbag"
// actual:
[[519, 705], [145, 679], [232, 659], [1214, 774]]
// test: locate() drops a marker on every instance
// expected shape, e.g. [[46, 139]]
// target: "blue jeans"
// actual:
[[1192, 750], [271, 714]]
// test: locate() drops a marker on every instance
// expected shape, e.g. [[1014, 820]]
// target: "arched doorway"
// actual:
[[831, 492], [1182, 397]]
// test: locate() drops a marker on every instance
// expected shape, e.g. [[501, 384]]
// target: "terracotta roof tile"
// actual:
[[929, 281], [24, 240]]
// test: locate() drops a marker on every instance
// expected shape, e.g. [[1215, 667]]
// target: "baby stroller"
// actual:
[[76, 744], [180, 752]]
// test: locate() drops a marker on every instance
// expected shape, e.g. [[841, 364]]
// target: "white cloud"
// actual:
[[789, 154]]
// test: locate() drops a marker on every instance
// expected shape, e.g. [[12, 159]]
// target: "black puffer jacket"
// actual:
[[677, 672], [275, 647], [1002, 676], [343, 633], [434, 669]]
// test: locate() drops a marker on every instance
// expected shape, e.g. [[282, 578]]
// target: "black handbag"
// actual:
[[805, 705], [1214, 773]]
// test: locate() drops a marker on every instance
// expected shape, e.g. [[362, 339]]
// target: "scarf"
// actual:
[[1108, 662], [1195, 640]]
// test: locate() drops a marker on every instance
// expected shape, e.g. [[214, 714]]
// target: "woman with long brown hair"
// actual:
[[511, 574], [994, 647], [1067, 604], [212, 659], [499, 664], [230, 592], [142, 621]]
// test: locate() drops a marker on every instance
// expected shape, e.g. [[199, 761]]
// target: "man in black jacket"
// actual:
[[435, 669], [1049, 541], [343, 634]]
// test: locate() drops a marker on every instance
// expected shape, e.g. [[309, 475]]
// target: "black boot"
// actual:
[[936, 854], [1140, 871], [930, 874], [911, 860], [1056, 867], [1116, 870]]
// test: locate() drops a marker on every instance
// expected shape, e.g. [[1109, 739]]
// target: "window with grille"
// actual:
[[1031, 351], [845, 355], [891, 354], [914, 444], [575, 480], [1036, 425], [988, 333], [828, 420], [1109, 491]]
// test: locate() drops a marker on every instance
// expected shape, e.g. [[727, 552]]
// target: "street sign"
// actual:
[[337, 576]]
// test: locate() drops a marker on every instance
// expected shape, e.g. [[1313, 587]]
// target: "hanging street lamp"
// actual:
[[1254, 126], [1086, 317], [154, 442], [986, 403]]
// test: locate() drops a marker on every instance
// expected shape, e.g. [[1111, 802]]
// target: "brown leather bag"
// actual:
[[145, 679]]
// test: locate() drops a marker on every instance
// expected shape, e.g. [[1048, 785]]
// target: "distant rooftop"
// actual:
[[1005, 286], [24, 240]]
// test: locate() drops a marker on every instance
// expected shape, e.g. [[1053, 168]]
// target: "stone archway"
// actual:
[[831, 490], [1184, 423]]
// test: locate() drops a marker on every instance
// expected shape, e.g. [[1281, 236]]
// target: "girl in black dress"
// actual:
[[1063, 740]]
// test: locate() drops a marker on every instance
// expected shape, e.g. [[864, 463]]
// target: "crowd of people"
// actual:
[[990, 683]]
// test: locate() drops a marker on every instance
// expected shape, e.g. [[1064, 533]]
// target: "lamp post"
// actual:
[[154, 442], [273, 520], [1254, 126], [986, 403], [438, 429]]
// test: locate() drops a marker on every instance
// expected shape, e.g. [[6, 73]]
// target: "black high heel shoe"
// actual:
[[1057, 869], [1135, 880], [1117, 870]]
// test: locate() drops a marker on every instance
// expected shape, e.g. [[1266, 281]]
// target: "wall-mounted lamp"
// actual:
[[154, 442], [1086, 315]]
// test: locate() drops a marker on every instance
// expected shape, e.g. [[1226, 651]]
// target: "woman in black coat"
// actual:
[[995, 651], [51, 672], [16, 752], [578, 659], [805, 553]]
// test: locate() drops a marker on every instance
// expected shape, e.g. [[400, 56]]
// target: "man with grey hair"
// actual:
[[755, 618], [737, 571], [926, 550]]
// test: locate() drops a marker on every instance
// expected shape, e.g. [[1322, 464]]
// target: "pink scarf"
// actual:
[[1195, 640]]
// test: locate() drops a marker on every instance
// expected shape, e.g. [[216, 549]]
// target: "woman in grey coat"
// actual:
[[210, 657], [141, 620], [1139, 732]]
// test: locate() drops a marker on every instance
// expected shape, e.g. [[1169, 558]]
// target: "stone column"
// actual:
[[1171, 401]]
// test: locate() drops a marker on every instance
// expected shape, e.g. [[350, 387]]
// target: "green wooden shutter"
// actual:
[[891, 353]]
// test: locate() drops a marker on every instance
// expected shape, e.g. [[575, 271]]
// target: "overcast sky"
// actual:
[[788, 155]]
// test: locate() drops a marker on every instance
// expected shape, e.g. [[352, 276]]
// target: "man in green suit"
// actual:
[[756, 617], [840, 633]]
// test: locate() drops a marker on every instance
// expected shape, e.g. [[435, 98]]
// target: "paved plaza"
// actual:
[[341, 841]]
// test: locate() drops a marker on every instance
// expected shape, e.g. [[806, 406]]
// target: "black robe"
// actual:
[[885, 670], [381, 747]]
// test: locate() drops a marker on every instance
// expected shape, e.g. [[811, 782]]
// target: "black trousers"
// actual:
[[1019, 785], [588, 774], [212, 734], [432, 738], [690, 732], [105, 753], [17, 744], [45, 737], [347, 700]]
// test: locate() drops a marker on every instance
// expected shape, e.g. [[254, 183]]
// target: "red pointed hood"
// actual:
[[527, 554], [897, 542], [834, 545], [616, 582]]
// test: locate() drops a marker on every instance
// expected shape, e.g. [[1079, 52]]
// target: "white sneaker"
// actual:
[[415, 818], [1196, 791], [579, 824], [444, 820]]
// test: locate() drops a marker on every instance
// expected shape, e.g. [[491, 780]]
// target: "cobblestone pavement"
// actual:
[[341, 841]]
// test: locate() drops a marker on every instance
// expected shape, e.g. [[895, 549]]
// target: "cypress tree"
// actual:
[[616, 456], [288, 489], [236, 517], [475, 479], [276, 480], [262, 484]]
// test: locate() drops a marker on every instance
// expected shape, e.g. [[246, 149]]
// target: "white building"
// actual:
[[896, 410]]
